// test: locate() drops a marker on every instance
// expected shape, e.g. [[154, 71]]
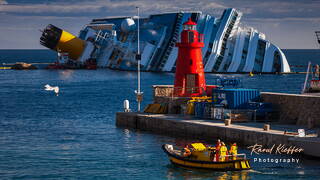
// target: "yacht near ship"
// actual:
[[112, 43]]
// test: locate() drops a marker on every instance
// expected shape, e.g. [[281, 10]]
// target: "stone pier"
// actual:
[[187, 126]]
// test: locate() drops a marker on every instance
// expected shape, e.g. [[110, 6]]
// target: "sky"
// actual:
[[290, 24]]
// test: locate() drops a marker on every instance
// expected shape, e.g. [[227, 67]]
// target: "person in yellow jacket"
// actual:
[[223, 151], [234, 151]]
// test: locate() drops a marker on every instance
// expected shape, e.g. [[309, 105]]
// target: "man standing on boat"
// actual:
[[218, 145], [187, 151], [234, 151], [223, 152]]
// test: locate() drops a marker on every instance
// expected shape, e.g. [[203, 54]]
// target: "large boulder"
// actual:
[[23, 66]]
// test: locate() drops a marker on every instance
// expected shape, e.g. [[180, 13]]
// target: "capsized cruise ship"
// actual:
[[112, 43]]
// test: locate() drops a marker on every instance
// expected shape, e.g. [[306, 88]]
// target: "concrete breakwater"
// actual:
[[188, 126], [24, 66]]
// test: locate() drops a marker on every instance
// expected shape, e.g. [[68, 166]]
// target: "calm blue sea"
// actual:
[[73, 135]]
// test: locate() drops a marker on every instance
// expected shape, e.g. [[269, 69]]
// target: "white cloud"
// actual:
[[43, 8], [272, 17], [286, 19], [3, 2], [109, 6]]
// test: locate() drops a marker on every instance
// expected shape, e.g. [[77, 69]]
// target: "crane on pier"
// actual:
[[314, 83]]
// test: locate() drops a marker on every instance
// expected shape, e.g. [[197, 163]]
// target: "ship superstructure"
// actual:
[[228, 46]]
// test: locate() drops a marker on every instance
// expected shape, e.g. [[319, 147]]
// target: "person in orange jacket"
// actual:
[[218, 145], [187, 151]]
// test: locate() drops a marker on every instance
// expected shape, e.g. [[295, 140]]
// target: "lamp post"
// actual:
[[138, 92]]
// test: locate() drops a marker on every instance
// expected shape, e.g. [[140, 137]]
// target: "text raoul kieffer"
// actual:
[[275, 149]]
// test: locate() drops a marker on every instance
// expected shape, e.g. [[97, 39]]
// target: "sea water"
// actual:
[[73, 135]]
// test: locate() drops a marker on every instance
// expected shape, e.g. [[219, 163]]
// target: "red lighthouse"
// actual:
[[189, 78]]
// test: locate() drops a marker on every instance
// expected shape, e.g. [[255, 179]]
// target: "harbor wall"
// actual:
[[295, 109], [198, 129]]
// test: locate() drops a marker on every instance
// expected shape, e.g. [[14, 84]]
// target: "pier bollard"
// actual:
[[126, 106], [266, 127], [227, 122]]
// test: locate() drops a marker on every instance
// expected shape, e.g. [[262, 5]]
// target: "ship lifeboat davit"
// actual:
[[202, 158], [62, 41]]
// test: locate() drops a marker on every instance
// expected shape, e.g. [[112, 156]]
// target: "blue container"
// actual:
[[235, 98], [207, 110], [199, 109], [218, 96]]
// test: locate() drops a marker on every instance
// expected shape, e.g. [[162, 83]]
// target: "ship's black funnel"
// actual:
[[50, 36]]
